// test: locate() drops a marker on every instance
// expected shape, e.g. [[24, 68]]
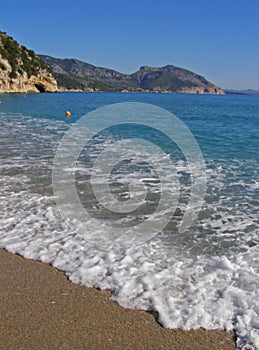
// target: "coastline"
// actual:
[[41, 308], [61, 90]]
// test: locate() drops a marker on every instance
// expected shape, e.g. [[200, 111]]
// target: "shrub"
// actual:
[[2, 66]]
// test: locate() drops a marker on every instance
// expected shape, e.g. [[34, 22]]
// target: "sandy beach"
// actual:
[[41, 309]]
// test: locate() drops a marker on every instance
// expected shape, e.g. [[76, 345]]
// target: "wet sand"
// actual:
[[40, 309]]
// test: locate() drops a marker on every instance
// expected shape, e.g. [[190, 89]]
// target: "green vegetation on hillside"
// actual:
[[72, 82], [20, 59], [167, 82]]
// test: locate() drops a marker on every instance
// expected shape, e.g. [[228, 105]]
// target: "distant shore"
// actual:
[[127, 92], [61, 90], [41, 309]]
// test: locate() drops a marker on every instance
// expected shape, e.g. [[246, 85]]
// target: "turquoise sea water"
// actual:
[[206, 277]]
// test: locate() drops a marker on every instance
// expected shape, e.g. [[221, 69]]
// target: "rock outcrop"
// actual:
[[21, 70]]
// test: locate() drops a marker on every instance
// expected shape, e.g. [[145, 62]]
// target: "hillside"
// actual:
[[174, 79], [72, 72], [168, 78], [21, 70]]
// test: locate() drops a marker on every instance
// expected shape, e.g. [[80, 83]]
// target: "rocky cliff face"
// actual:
[[21, 70], [164, 79]]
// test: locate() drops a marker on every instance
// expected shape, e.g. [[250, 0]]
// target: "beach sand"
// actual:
[[41, 309]]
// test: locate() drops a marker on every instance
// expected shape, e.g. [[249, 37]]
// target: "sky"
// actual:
[[217, 39]]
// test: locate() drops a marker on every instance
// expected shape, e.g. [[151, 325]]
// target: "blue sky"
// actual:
[[218, 39]]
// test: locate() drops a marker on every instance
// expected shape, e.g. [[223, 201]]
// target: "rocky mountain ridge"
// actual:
[[163, 79]]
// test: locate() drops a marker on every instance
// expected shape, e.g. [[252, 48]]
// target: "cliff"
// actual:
[[71, 72], [21, 70]]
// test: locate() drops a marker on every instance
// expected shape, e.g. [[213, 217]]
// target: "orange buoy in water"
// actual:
[[68, 114]]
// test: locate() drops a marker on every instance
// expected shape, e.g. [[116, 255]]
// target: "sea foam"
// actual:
[[207, 277]]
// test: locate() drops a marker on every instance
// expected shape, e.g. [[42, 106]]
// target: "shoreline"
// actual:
[[164, 92], [41, 308]]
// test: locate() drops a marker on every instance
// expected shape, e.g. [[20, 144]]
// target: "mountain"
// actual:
[[69, 72], [72, 74], [21, 70], [173, 79]]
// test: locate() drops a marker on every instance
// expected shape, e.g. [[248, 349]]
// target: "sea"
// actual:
[[153, 196]]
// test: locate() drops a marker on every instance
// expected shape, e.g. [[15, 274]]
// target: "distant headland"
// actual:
[[21, 70]]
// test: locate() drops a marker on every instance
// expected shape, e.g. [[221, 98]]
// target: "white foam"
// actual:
[[208, 277], [254, 186]]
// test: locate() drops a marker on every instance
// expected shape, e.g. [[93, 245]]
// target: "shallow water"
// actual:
[[207, 276]]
